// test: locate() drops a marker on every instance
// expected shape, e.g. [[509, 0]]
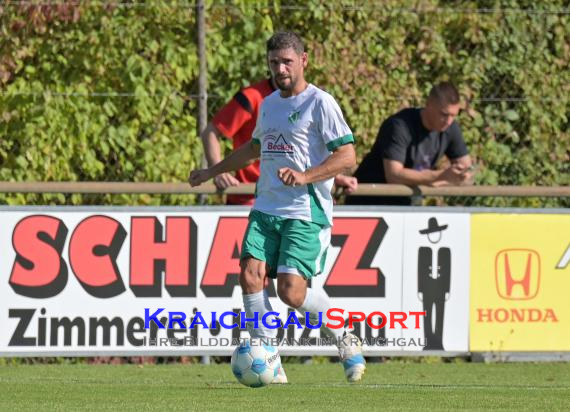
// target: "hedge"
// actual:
[[97, 91]]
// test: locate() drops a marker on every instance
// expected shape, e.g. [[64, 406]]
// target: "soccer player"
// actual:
[[236, 121], [302, 141]]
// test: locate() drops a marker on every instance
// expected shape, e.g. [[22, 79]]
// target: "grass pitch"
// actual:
[[387, 386]]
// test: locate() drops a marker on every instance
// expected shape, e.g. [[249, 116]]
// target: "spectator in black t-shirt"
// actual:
[[410, 144]]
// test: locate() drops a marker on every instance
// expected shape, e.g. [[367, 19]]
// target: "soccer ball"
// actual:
[[255, 363]]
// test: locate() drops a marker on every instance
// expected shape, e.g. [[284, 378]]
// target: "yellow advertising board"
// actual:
[[520, 282]]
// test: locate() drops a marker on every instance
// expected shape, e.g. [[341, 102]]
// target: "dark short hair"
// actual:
[[444, 93], [284, 40]]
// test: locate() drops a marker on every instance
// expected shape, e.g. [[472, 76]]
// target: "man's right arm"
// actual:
[[395, 138], [396, 173], [211, 141], [238, 159]]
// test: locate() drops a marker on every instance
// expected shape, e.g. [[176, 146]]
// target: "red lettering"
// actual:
[[280, 146], [352, 274], [355, 316], [39, 270], [549, 314], [372, 325], [339, 319], [516, 315], [222, 268], [175, 256], [501, 315], [534, 315], [398, 317], [417, 316], [484, 315], [93, 250], [358, 317]]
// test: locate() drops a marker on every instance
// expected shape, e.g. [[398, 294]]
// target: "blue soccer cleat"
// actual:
[[350, 352]]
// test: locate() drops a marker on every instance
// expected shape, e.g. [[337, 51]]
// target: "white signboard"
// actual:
[[436, 279], [93, 281]]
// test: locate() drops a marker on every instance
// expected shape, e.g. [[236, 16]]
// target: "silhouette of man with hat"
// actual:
[[434, 279]]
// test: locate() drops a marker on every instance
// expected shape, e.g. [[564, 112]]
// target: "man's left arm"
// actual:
[[349, 184], [463, 162], [458, 155], [342, 159]]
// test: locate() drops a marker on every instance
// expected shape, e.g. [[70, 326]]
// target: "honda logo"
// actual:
[[517, 274]]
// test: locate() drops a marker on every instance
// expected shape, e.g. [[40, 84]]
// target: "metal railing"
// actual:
[[363, 189]]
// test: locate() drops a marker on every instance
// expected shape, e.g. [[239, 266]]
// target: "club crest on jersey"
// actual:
[[293, 117], [277, 144]]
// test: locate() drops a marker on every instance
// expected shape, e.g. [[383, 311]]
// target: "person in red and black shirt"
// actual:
[[236, 121]]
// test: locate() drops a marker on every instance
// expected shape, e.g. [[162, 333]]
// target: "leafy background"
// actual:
[[107, 91]]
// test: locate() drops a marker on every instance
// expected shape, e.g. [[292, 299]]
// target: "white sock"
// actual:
[[259, 302], [314, 303]]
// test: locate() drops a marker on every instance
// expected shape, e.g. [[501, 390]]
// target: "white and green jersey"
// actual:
[[298, 132]]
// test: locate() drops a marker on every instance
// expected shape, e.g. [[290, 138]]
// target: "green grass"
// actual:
[[387, 386]]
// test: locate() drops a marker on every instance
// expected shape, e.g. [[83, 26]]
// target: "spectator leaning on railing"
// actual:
[[411, 142]]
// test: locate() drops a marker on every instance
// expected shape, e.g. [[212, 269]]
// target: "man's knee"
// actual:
[[291, 295], [252, 275]]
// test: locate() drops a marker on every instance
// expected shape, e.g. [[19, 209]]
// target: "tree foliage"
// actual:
[[98, 91]]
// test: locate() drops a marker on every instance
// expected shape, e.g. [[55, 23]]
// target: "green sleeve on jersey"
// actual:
[[255, 141], [340, 142]]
